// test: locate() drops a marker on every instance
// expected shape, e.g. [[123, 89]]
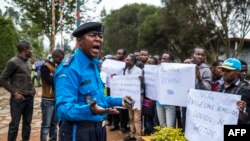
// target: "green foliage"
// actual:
[[8, 41], [168, 134], [151, 35], [122, 27]]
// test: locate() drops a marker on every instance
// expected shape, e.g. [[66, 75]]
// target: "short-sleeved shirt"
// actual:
[[77, 83]]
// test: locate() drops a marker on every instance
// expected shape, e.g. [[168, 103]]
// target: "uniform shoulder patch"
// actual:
[[68, 60]]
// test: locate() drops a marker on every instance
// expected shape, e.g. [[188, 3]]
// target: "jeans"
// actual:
[[166, 115], [20, 108], [49, 120]]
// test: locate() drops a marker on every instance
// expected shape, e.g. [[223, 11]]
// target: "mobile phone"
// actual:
[[129, 103]]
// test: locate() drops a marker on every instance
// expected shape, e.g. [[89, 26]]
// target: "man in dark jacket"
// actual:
[[16, 79], [231, 68]]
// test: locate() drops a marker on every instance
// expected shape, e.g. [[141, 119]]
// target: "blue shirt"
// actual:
[[77, 84]]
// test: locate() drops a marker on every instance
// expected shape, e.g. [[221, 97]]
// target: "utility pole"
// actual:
[[53, 26], [78, 13], [61, 24]]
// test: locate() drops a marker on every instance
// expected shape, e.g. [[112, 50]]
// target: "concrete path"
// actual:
[[36, 121]]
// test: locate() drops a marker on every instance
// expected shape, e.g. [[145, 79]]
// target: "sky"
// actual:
[[116, 4], [107, 4]]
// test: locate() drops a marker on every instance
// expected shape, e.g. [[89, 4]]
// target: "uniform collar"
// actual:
[[84, 59]]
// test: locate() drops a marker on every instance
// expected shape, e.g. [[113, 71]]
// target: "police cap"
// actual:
[[87, 27]]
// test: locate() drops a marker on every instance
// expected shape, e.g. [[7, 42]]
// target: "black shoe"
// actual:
[[128, 138], [114, 128], [124, 130]]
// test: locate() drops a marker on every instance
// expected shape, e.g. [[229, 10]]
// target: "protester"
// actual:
[[80, 101], [134, 114], [243, 72], [184, 109], [16, 79], [158, 57], [149, 111], [217, 75], [142, 58], [49, 119], [203, 72], [123, 116], [167, 113], [231, 68]]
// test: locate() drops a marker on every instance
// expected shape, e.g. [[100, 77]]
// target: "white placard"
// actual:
[[151, 81], [113, 67], [207, 113], [175, 79], [127, 85]]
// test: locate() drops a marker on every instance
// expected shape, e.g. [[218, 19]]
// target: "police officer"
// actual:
[[80, 100]]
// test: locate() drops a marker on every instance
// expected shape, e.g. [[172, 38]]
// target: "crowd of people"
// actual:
[[73, 92], [228, 76]]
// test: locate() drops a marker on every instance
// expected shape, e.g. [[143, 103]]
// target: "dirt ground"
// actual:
[[36, 121]]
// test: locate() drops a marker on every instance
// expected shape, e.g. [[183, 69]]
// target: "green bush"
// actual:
[[168, 134], [8, 41]]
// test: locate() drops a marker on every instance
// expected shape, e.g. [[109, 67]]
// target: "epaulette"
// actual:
[[68, 60]]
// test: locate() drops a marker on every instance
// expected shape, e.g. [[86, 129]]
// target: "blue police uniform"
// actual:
[[77, 84]]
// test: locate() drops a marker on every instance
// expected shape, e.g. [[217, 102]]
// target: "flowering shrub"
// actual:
[[168, 134]]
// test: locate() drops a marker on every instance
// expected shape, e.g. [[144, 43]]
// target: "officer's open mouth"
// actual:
[[96, 47]]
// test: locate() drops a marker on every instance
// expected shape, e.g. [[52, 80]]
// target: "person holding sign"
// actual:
[[80, 101], [231, 68], [134, 114], [203, 72], [166, 113]]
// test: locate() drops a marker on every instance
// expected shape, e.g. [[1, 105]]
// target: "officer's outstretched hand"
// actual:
[[128, 102], [99, 110]]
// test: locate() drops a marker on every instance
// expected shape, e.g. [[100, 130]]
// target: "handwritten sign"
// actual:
[[175, 79], [127, 85], [151, 81], [208, 112], [113, 67]]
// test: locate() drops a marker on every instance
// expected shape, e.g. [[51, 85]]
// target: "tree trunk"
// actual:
[[53, 27]]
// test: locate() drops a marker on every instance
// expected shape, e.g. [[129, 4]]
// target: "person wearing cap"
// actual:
[[16, 79], [80, 101], [231, 68]]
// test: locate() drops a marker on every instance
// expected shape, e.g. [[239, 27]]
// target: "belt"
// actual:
[[86, 123]]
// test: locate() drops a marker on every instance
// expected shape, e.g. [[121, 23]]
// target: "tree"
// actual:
[[232, 19], [12, 13], [205, 23], [39, 13], [151, 34], [122, 27], [8, 41]]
